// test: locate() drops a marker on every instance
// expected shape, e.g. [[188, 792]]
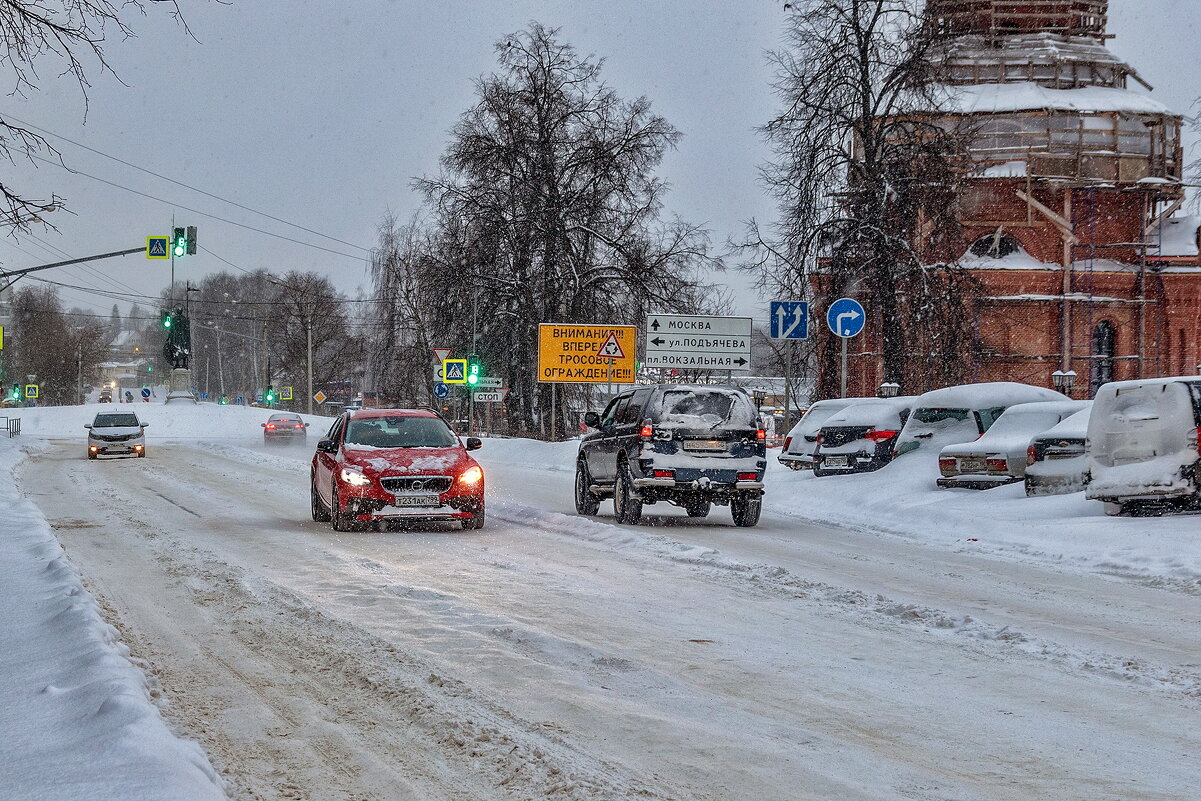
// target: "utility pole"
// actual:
[[308, 330]]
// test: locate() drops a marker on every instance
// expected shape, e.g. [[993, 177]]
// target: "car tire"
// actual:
[[476, 521], [93, 455], [339, 520], [698, 508], [745, 510], [320, 513], [627, 508], [585, 502], [142, 453]]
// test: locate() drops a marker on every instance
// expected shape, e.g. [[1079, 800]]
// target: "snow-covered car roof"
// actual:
[[1018, 425], [872, 412], [986, 395], [1074, 427], [821, 411]]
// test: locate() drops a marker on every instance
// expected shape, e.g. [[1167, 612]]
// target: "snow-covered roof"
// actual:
[[992, 98]]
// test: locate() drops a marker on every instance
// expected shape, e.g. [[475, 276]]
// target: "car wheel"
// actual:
[[745, 510], [142, 453], [698, 508], [627, 507], [476, 522], [585, 502], [320, 513], [93, 455], [339, 520]]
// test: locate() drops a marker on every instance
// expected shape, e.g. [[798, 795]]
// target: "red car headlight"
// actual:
[[471, 476]]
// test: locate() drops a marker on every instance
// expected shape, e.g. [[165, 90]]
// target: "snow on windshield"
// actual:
[[400, 432], [707, 407], [116, 421], [1017, 421]]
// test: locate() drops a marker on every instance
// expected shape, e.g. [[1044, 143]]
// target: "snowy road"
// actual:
[[553, 657]]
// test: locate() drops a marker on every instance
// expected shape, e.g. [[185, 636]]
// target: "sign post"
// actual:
[[846, 319]]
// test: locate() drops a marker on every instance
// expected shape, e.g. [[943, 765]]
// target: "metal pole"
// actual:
[[844, 367], [552, 413], [309, 336], [787, 385]]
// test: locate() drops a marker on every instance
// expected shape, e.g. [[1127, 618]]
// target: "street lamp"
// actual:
[[1064, 381], [889, 389]]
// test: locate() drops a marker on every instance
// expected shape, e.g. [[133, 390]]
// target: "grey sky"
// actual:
[[321, 112]]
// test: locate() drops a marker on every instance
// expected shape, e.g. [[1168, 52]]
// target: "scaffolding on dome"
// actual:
[[1006, 17]]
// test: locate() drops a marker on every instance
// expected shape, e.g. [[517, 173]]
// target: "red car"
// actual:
[[395, 464]]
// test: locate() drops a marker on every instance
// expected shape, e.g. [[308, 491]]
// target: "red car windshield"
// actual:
[[400, 432]]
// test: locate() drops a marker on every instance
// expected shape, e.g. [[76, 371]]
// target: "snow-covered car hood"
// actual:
[[408, 461], [117, 431]]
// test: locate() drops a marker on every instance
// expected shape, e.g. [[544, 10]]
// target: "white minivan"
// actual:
[[1142, 447]]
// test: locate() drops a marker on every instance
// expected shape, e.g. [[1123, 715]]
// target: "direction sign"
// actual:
[[789, 319], [441, 354], [695, 342], [156, 247], [490, 382], [846, 318], [568, 353], [491, 395], [319, 396], [454, 371], [441, 390]]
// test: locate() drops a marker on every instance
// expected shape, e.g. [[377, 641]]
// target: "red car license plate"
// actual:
[[416, 500]]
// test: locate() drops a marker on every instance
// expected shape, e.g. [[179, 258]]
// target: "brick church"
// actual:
[[1072, 212]]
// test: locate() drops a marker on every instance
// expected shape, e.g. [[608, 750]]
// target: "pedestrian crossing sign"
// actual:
[[31, 391], [156, 247], [454, 371], [285, 393]]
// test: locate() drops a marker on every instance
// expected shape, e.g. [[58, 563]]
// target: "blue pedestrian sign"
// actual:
[[846, 318], [441, 390], [204, 396], [156, 247], [239, 400], [789, 319], [145, 392]]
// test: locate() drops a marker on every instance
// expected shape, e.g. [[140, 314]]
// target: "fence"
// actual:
[[12, 425]]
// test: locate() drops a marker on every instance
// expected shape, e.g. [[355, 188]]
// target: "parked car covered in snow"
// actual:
[[800, 446], [688, 445], [999, 455], [1055, 460], [860, 437], [1143, 455], [962, 413]]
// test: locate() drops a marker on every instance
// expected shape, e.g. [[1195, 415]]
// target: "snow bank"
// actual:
[[77, 719]]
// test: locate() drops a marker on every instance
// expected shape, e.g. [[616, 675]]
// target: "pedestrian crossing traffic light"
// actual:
[[474, 372], [179, 242]]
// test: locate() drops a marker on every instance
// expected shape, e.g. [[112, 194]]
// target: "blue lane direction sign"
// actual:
[[846, 318], [789, 319], [441, 390], [156, 247]]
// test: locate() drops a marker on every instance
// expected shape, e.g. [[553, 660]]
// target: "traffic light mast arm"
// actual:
[[18, 273]]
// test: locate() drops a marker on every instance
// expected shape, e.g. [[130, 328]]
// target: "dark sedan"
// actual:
[[284, 428]]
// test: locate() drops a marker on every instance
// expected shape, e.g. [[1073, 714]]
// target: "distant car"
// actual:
[[116, 434], [1055, 462], [106, 396], [284, 428], [999, 456], [800, 445], [689, 445], [1143, 453], [962, 413], [860, 438], [395, 465]]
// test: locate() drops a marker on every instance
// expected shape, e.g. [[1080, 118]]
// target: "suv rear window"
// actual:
[[706, 407]]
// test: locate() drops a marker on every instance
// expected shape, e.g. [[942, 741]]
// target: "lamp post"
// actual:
[[889, 389], [1064, 381]]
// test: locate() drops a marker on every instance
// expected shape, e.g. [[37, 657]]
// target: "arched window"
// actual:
[[995, 246], [1104, 337]]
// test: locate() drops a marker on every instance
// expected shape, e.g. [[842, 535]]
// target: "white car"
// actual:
[[116, 434], [999, 456], [1143, 454], [801, 443]]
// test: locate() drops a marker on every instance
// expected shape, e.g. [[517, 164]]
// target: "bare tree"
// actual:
[[549, 211], [47, 343], [865, 173], [68, 35]]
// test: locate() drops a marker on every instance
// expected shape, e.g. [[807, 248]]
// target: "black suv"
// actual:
[[693, 446]]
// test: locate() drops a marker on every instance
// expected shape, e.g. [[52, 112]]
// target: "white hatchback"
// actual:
[[116, 434]]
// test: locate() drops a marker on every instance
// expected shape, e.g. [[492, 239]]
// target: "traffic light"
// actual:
[[269, 395], [179, 242], [168, 319], [16, 393], [474, 372], [191, 240]]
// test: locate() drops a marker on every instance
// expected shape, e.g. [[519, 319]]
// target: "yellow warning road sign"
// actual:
[[570, 354]]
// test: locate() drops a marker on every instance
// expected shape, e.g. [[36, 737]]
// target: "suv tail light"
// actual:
[[761, 435], [647, 431], [818, 438], [747, 476], [997, 463], [1031, 455], [881, 435], [1194, 439], [787, 442]]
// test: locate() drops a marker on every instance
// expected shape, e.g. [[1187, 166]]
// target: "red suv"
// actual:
[[395, 464]]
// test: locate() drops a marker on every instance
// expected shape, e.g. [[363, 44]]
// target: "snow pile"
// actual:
[[77, 719]]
